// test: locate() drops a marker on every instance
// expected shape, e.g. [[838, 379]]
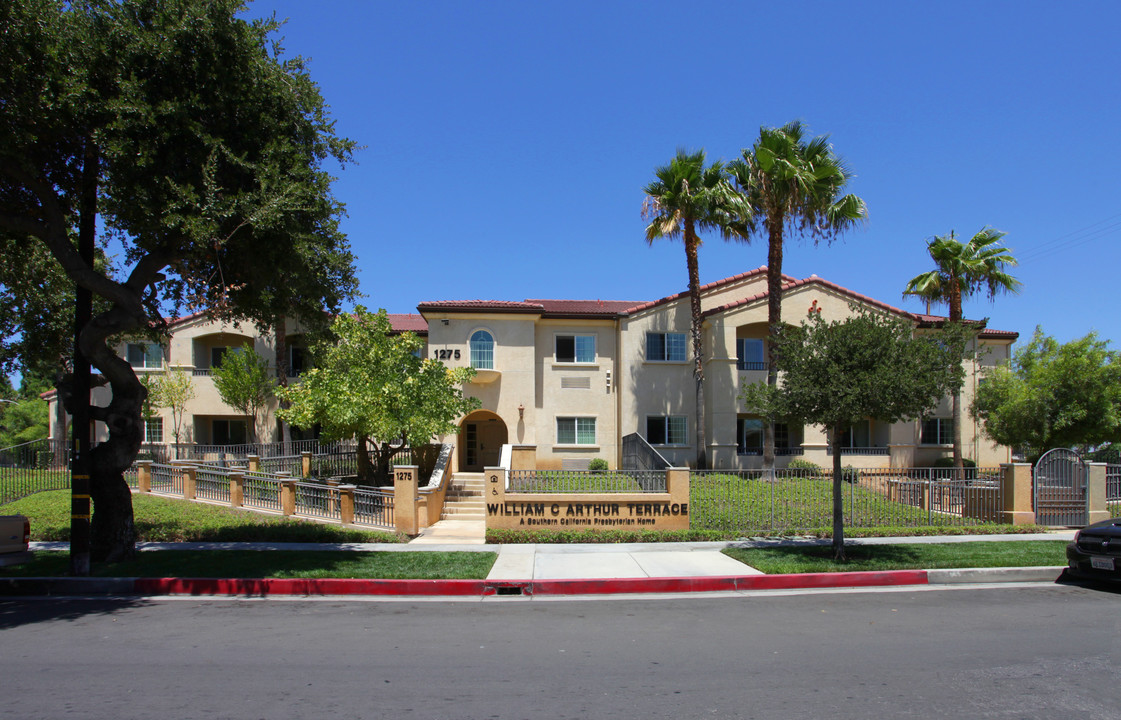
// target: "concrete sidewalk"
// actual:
[[556, 569]]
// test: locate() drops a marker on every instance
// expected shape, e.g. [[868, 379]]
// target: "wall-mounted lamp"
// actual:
[[521, 411]]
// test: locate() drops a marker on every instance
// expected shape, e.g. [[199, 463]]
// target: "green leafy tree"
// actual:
[[791, 183], [836, 374], [173, 391], [23, 421], [370, 384], [961, 269], [688, 198], [1053, 395], [179, 129], [244, 383]]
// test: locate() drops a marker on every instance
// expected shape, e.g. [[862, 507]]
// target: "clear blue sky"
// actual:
[[506, 144]]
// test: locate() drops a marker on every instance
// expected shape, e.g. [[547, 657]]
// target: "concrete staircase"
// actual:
[[463, 520], [464, 499]]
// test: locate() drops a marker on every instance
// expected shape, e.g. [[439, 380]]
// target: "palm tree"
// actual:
[[960, 269], [792, 183], [687, 198]]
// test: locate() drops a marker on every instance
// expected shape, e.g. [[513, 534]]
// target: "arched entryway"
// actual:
[[481, 437]]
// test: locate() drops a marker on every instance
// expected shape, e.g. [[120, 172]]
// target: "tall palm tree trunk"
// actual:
[[691, 242], [774, 326], [955, 317]]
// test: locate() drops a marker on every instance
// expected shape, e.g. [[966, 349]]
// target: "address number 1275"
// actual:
[[445, 354]]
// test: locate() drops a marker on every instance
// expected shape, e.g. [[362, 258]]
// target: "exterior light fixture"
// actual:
[[521, 411]]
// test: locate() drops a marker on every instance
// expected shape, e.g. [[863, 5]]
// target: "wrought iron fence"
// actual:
[[760, 501], [212, 484], [167, 479], [586, 481], [1113, 489], [33, 467], [373, 507], [293, 464], [261, 491], [317, 500]]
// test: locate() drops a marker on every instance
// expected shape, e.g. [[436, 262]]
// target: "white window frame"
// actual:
[[477, 358], [666, 347], [145, 349], [944, 432], [667, 438], [576, 338], [153, 426], [576, 422]]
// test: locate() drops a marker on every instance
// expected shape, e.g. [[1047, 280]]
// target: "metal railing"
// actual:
[[639, 455], [317, 500], [212, 484], [293, 464], [586, 481], [860, 451], [261, 491], [779, 451], [1113, 489], [762, 501], [167, 479], [34, 467], [374, 507]]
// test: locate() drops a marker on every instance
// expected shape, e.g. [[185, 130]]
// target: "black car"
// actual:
[[1096, 551]]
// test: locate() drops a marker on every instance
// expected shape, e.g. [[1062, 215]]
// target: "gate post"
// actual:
[[1016, 492], [305, 463], [1095, 493], [237, 488], [346, 504], [405, 499], [144, 476]]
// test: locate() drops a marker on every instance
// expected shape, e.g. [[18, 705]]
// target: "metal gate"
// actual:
[[1059, 482]]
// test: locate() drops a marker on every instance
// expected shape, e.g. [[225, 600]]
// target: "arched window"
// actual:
[[482, 350]]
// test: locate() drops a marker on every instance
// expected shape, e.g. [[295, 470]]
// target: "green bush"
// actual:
[[597, 465], [944, 463], [805, 467]]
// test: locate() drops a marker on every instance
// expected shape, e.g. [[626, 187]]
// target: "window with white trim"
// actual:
[[145, 356], [665, 347], [153, 430], [575, 348], [576, 431], [482, 350], [667, 430], [937, 431]]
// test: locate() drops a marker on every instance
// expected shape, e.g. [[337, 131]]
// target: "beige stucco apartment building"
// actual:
[[573, 377]]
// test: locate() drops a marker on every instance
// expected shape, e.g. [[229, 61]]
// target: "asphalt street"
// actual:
[[1037, 651]]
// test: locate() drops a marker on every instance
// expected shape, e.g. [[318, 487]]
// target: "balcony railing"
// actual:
[[750, 365], [755, 451], [861, 451]]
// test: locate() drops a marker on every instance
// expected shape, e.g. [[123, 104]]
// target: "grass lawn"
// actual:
[[161, 519], [274, 564], [754, 506], [1028, 553]]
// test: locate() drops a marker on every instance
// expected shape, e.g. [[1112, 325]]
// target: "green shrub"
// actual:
[[597, 465], [805, 467], [947, 463]]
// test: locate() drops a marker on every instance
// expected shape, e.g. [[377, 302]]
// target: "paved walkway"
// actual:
[[587, 561]]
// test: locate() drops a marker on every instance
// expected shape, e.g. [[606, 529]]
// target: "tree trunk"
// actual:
[[955, 317], [691, 243], [774, 327], [365, 470], [282, 381], [113, 534], [838, 497]]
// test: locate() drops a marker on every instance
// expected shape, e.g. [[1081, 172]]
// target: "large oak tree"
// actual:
[[178, 132]]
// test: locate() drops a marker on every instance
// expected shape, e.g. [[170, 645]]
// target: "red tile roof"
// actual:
[[584, 308], [814, 280], [477, 305], [408, 322], [761, 270]]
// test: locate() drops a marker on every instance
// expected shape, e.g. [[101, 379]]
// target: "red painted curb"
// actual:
[[261, 587]]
